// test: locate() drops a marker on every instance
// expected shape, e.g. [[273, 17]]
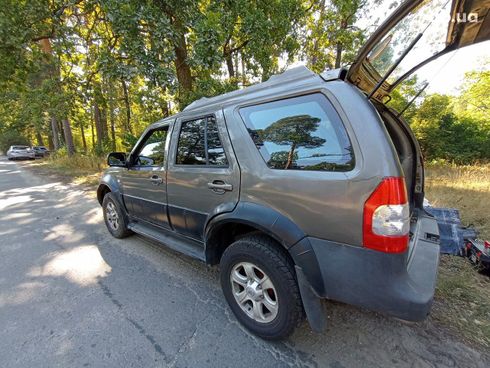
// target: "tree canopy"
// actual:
[[89, 75]]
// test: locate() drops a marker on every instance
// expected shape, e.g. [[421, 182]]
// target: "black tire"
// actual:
[[121, 230], [267, 255]]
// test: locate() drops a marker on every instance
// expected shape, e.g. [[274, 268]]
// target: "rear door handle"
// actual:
[[220, 186], [155, 179]]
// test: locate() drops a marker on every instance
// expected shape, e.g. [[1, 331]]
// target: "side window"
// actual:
[[200, 144], [300, 133], [216, 152], [152, 152]]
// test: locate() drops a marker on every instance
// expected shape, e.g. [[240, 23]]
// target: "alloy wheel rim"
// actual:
[[112, 216], [254, 292]]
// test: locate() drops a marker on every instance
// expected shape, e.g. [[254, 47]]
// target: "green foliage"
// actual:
[[11, 138], [445, 133], [128, 141], [330, 37], [105, 69]]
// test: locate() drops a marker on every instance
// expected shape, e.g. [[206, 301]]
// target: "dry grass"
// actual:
[[79, 169], [462, 301], [466, 188]]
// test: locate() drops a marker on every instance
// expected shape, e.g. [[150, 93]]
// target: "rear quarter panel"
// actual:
[[326, 205]]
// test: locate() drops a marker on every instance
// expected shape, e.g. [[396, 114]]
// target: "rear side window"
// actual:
[[200, 144], [300, 133]]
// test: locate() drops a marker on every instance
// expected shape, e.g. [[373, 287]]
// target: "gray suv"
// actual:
[[302, 188]]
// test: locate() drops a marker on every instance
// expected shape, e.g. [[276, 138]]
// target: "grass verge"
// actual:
[[466, 188], [462, 300], [78, 169]]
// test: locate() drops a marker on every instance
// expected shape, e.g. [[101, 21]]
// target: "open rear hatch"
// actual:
[[416, 33]]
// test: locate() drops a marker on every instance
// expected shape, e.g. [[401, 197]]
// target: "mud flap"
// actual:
[[314, 308]]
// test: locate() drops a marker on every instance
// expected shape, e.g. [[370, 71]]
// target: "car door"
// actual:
[[144, 182], [203, 176]]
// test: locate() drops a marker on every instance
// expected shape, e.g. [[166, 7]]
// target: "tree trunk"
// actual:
[[290, 156], [55, 73], [62, 133], [112, 120], [55, 133], [70, 147], [50, 143], [183, 69], [235, 61], [48, 51], [39, 138], [128, 106], [84, 141], [338, 56], [229, 64], [105, 130], [98, 126], [244, 74], [93, 133]]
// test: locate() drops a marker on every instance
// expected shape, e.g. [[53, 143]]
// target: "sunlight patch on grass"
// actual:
[[466, 188], [78, 169]]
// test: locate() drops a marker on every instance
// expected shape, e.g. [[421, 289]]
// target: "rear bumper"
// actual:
[[401, 285], [21, 155]]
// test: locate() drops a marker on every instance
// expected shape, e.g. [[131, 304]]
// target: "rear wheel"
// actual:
[[114, 217], [259, 284]]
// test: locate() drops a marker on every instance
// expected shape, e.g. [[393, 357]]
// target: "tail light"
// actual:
[[387, 217]]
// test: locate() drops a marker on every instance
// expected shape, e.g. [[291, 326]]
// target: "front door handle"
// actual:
[[156, 180], [220, 186]]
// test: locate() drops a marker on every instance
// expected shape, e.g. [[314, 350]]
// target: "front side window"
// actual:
[[200, 144], [300, 133], [152, 152]]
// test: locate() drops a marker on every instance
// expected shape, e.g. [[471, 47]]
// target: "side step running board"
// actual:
[[174, 241]]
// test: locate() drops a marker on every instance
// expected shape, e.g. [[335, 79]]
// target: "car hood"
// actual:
[[458, 23]]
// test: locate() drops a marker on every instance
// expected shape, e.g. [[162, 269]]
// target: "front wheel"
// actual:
[[114, 217], [259, 284]]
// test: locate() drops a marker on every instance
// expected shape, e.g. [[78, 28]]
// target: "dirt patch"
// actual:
[[462, 301]]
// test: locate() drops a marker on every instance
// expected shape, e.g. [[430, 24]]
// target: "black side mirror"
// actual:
[[117, 159]]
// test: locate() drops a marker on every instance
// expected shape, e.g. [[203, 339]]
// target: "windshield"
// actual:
[[431, 18], [19, 147]]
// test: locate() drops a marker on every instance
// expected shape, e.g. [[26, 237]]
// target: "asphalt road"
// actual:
[[71, 295]]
